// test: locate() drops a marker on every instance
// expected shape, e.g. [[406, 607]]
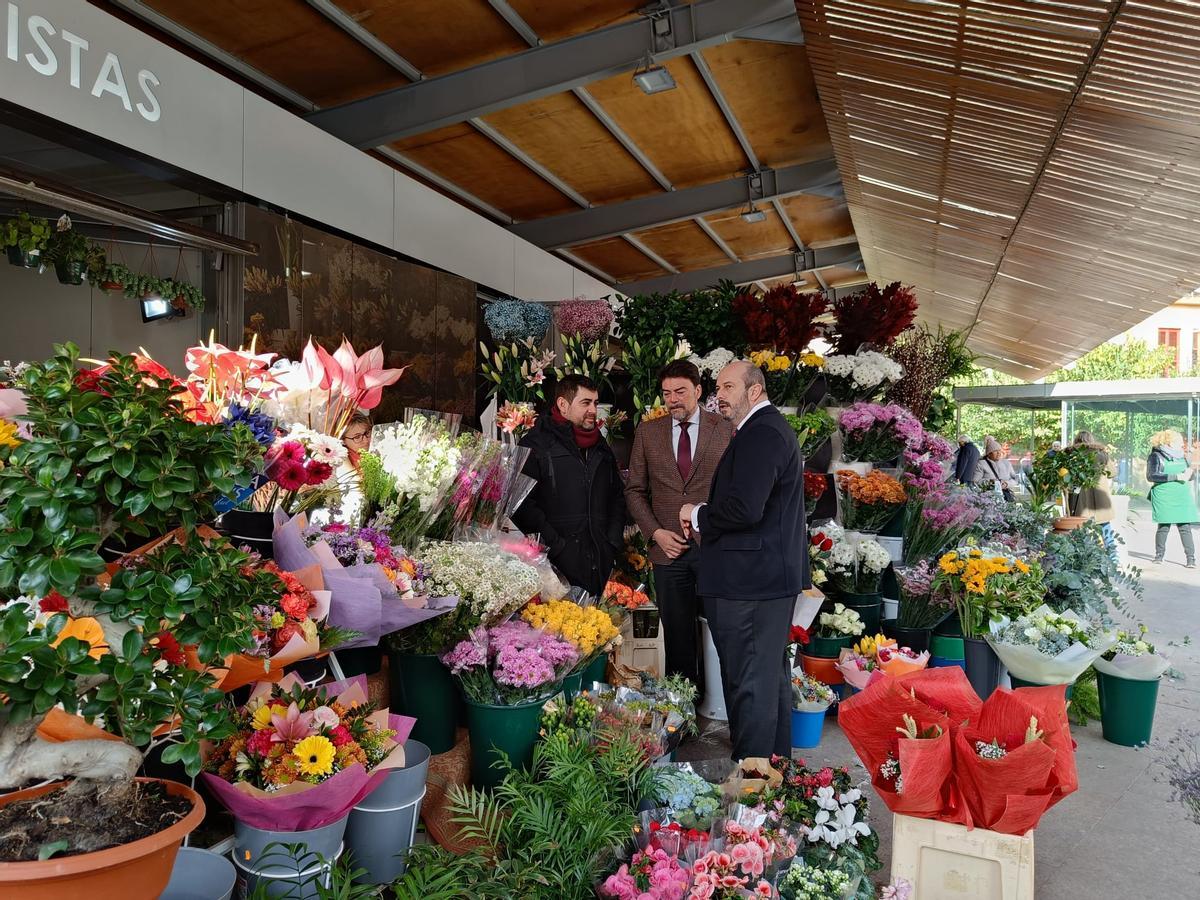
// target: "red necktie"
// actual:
[[684, 453]]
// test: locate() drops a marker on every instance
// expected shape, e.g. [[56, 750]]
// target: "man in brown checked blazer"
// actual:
[[672, 463]]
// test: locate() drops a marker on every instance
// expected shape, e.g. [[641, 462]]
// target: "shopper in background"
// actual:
[[578, 506], [995, 470], [672, 463], [357, 439], [1171, 498], [965, 460], [753, 561], [1096, 503]]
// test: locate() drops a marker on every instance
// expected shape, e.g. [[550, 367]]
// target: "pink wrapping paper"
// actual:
[[302, 807], [363, 599]]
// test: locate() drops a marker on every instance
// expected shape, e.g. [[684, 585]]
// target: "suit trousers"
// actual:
[[751, 637], [678, 612]]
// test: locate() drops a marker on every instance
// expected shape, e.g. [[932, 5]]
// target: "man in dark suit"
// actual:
[[673, 459], [753, 561]]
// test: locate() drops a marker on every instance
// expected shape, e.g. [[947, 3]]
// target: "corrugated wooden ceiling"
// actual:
[[1031, 166], [557, 154]]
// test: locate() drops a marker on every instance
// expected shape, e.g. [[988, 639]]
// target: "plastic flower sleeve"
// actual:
[[1030, 664], [1149, 667]]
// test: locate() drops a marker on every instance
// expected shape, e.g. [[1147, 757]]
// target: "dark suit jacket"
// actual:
[[754, 543], [965, 462], [655, 491]]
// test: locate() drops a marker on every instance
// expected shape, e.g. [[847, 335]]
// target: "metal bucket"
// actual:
[[256, 859], [200, 875], [381, 829]]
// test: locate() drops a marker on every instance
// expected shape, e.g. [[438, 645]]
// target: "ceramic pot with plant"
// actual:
[[25, 238], [81, 641], [110, 277], [184, 295]]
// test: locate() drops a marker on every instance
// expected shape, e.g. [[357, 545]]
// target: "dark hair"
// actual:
[[568, 386], [680, 368]]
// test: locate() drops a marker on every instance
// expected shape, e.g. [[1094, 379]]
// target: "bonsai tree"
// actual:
[[26, 234], [115, 454]]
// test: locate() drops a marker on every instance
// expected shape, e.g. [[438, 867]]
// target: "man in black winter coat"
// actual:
[[578, 505]]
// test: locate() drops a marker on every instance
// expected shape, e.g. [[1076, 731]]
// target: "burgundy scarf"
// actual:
[[585, 439]]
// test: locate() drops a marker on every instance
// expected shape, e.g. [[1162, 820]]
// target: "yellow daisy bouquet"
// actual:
[[589, 628], [989, 584], [302, 757]]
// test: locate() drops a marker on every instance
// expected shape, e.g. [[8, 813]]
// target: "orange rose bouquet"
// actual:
[[869, 502]]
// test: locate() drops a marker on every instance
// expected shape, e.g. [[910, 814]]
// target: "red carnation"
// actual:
[[53, 602], [318, 472], [259, 743], [340, 735], [798, 635], [295, 606], [283, 634]]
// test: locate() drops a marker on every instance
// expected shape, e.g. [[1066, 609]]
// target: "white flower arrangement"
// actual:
[[713, 361], [862, 375], [423, 461], [837, 820], [842, 621], [494, 583], [1047, 647]]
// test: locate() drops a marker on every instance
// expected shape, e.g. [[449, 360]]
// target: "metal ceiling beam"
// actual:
[[662, 34], [750, 271], [819, 177]]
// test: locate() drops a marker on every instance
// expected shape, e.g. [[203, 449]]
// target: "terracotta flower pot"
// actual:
[[106, 874], [1068, 523], [822, 669]]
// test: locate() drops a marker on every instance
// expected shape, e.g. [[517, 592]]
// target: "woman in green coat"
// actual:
[[1172, 500]]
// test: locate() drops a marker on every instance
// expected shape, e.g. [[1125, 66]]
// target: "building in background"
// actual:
[[1177, 327]]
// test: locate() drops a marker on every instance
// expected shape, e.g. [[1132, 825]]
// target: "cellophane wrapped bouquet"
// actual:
[[876, 656], [1046, 647]]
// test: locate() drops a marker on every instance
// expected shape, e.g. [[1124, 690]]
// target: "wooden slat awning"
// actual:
[[1031, 167]]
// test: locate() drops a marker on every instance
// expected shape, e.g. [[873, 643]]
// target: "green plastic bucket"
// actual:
[[511, 729], [596, 670], [869, 608], [1022, 683], [827, 648], [1126, 709], [572, 684], [423, 688], [946, 647]]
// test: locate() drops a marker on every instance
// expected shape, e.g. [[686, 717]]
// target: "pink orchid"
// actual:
[[292, 726]]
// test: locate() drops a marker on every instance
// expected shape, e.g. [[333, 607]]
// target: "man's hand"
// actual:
[[685, 518], [670, 543]]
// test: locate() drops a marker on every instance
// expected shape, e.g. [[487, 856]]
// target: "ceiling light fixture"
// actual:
[[754, 214], [653, 79]]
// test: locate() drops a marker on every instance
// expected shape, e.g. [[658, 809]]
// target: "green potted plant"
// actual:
[[25, 237], [184, 294], [73, 255], [1058, 474], [139, 285], [113, 455], [109, 277]]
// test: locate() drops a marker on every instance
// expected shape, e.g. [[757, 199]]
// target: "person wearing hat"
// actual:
[[965, 460], [994, 469], [1171, 499]]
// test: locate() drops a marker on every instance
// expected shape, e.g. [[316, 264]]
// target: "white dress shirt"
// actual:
[[693, 433], [696, 509]]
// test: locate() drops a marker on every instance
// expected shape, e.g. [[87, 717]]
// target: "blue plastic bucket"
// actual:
[[807, 728]]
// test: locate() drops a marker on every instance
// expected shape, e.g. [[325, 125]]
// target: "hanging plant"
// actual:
[[110, 276], [139, 285], [72, 254], [184, 293], [25, 237]]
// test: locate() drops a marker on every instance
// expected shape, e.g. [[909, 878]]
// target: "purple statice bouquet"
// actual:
[[586, 319], [878, 432], [920, 605], [938, 519], [510, 664]]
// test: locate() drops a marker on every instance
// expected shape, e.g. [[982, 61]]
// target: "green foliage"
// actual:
[[27, 233], [642, 362], [341, 883], [705, 319], [545, 834], [110, 273], [113, 457], [590, 358], [514, 372], [1082, 576], [69, 245], [1085, 699], [1068, 470], [812, 429]]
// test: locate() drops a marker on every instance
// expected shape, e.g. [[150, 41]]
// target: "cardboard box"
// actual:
[[950, 862]]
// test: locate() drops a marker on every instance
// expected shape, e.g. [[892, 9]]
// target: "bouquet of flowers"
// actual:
[[516, 372], [812, 429], [589, 629], [924, 463], [616, 594], [712, 363], [861, 376], [634, 564], [856, 565], [842, 622], [878, 654], [586, 357], [301, 472], [586, 319], [730, 876], [815, 484], [808, 694], [869, 502], [515, 419], [988, 585], [937, 520], [407, 477], [1047, 647], [872, 316], [779, 370], [694, 802], [510, 664], [877, 433], [303, 758], [1132, 657], [821, 540], [649, 875], [920, 605], [231, 384], [490, 583], [804, 882], [372, 583]]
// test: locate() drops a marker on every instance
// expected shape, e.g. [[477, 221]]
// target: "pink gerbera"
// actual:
[[292, 476], [317, 472]]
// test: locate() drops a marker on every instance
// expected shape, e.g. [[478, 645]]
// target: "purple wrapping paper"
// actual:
[[362, 598]]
